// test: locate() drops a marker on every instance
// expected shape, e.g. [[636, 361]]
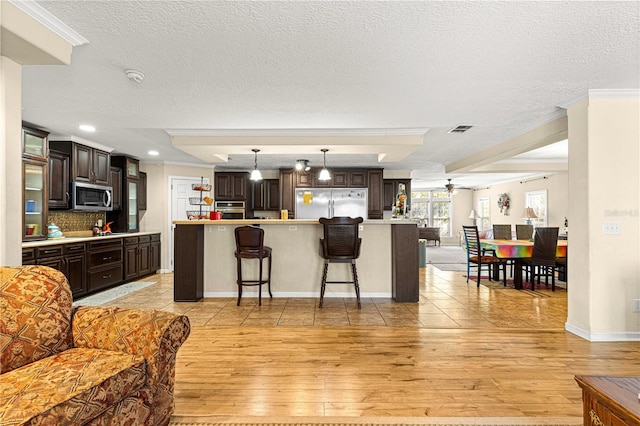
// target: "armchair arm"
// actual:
[[156, 335]]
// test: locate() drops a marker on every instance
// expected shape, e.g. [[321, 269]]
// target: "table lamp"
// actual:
[[473, 215], [529, 214]]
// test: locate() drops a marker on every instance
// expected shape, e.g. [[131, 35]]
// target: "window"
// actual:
[[538, 201], [484, 222], [434, 208]]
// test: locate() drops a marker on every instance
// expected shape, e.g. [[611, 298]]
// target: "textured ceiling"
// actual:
[[250, 66]]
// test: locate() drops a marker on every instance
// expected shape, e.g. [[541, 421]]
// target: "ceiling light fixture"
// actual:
[[134, 75], [324, 173], [303, 165], [255, 174], [449, 187], [153, 152], [87, 128]]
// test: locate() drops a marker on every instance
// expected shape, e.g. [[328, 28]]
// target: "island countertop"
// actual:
[[285, 222]]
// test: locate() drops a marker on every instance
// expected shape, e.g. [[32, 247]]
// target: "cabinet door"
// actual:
[[339, 179], [155, 253], [35, 144], [258, 195], [239, 184], [357, 179], [287, 191], [272, 192], [58, 180], [76, 272], [82, 163], [100, 167], [375, 195], [53, 262], [304, 179], [142, 191], [131, 266], [132, 205], [34, 200], [116, 183], [144, 259], [223, 188], [389, 193]]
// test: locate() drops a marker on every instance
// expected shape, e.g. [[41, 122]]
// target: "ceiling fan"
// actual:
[[449, 186]]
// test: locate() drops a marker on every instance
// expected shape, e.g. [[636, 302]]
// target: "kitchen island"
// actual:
[[205, 265]]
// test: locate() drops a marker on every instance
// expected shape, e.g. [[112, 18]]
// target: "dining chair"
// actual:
[[250, 245], [340, 244], [476, 256], [524, 232], [543, 259], [503, 232]]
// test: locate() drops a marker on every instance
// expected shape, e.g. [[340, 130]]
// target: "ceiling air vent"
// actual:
[[460, 129]]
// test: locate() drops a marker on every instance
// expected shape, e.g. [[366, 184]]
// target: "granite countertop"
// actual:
[[286, 222], [81, 236]]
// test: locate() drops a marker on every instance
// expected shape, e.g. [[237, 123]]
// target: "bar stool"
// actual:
[[250, 245], [340, 245]]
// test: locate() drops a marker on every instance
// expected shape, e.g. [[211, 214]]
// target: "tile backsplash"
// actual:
[[75, 221]]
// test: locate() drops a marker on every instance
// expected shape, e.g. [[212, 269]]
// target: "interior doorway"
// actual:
[[181, 188]]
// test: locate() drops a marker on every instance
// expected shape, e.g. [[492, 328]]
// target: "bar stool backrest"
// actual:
[[340, 240], [249, 239]]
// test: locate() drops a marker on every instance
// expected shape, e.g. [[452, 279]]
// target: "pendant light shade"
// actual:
[[324, 173], [255, 174]]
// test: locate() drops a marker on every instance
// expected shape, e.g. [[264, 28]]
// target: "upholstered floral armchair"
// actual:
[[88, 365]]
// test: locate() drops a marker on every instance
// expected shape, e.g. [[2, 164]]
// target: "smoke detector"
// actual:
[[134, 75]]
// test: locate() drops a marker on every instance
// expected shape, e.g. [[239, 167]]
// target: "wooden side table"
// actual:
[[610, 401]]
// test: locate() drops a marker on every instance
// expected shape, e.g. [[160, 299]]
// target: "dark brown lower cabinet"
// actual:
[[405, 284], [99, 263], [104, 264], [188, 270]]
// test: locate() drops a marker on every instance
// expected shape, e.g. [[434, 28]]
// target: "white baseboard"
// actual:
[[617, 336], [254, 292]]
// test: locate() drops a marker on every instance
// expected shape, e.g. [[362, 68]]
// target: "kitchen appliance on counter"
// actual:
[[314, 203], [91, 198], [230, 209]]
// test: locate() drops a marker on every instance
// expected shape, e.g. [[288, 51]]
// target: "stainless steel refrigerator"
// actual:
[[314, 203]]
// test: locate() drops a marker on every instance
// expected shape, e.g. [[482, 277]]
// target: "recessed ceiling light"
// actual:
[[87, 128], [153, 153]]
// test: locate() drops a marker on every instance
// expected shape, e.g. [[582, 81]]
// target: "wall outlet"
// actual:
[[636, 305], [293, 228], [221, 228], [360, 227], [611, 228]]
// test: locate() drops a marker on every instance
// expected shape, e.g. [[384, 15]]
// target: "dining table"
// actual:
[[517, 250]]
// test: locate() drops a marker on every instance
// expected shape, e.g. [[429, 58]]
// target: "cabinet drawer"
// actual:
[[28, 255], [129, 241], [49, 251], [104, 277], [144, 239], [74, 248], [104, 257], [155, 237], [111, 242]]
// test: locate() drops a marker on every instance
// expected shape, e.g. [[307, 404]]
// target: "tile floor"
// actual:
[[446, 301]]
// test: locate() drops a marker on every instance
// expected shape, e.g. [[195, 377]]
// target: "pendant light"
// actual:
[[324, 173], [255, 174]]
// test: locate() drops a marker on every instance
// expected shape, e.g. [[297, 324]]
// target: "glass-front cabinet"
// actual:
[[35, 144], [132, 197], [34, 200]]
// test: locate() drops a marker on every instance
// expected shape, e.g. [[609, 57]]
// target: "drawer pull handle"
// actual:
[[104, 277], [595, 420], [49, 251], [107, 258]]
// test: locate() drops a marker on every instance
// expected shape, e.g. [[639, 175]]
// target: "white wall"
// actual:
[[557, 187], [604, 163]]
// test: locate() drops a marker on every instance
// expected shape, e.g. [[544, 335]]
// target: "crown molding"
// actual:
[[77, 139], [46, 18], [602, 94]]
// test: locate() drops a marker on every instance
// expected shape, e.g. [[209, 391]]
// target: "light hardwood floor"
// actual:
[[459, 351]]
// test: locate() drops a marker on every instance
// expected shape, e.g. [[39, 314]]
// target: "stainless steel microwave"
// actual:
[[92, 198]]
